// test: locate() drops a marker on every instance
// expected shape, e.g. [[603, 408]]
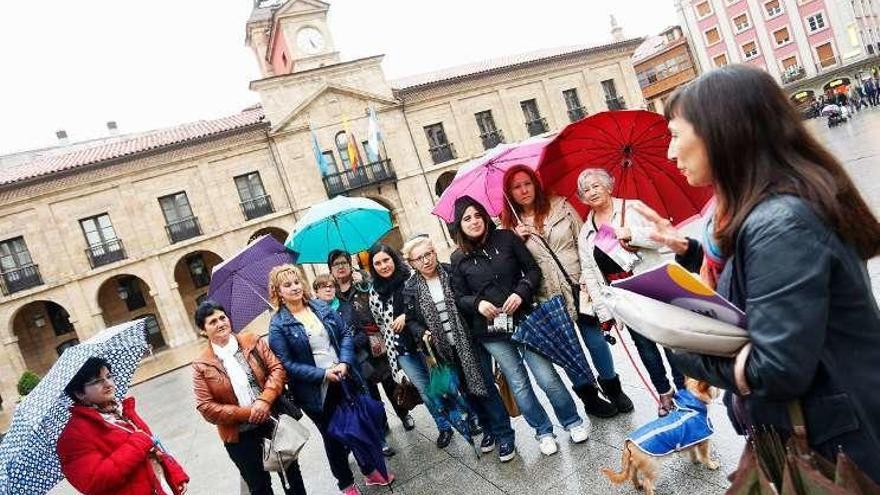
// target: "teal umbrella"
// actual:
[[350, 224]]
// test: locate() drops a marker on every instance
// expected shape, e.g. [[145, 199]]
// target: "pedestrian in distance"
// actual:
[[106, 448], [549, 226], [495, 279], [788, 244], [236, 381], [317, 351]]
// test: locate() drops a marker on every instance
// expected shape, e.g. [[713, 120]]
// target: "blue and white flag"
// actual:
[[323, 166], [374, 136]]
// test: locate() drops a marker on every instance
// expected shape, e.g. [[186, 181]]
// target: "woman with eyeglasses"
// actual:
[[431, 313], [388, 304], [106, 448]]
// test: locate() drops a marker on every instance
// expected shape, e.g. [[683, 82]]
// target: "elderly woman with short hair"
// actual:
[[598, 268]]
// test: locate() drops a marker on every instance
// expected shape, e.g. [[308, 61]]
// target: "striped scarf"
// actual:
[[713, 259]]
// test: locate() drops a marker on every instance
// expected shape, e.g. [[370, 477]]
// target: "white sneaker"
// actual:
[[579, 433], [548, 446]]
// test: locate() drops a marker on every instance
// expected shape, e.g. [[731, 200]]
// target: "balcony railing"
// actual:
[[257, 207], [105, 253], [537, 126], [577, 113], [492, 139], [616, 103], [365, 175], [793, 73], [184, 229], [20, 279], [442, 153]]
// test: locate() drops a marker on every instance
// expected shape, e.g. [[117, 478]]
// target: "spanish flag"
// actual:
[[354, 156]]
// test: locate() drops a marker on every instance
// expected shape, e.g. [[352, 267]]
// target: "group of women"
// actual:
[[787, 242]]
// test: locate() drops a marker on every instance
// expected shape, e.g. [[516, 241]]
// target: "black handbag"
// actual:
[[406, 396]]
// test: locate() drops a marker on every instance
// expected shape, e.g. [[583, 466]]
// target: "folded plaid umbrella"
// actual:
[[29, 464], [549, 331]]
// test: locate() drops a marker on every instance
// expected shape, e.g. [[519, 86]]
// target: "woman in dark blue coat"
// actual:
[[316, 348]]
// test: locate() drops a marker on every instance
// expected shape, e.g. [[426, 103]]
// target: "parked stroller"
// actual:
[[836, 115]]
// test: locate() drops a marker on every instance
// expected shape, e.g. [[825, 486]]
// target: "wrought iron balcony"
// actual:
[[492, 139], [183, 229], [257, 207], [537, 126], [20, 279], [365, 175], [793, 73], [575, 114], [616, 103], [105, 253], [442, 153]]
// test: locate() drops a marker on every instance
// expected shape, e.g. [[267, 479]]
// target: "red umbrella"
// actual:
[[631, 145]]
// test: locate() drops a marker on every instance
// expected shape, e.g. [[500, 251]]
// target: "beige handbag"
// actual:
[[288, 437]]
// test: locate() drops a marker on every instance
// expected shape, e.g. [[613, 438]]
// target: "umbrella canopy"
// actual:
[[549, 331], [241, 284], [358, 423], [830, 109], [350, 224], [482, 178], [444, 391], [631, 145], [29, 463]]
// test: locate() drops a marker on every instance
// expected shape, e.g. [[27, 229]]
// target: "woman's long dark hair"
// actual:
[[758, 147], [386, 286], [542, 203]]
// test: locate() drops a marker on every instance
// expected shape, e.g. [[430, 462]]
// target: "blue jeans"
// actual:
[[649, 352], [490, 410], [413, 364], [600, 351], [513, 359]]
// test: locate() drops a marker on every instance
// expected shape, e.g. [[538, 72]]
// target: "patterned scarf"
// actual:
[[383, 314], [463, 347], [713, 259]]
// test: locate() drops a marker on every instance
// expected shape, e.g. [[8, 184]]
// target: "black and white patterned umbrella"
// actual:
[[29, 464]]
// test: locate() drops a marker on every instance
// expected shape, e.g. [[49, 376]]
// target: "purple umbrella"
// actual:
[[241, 283]]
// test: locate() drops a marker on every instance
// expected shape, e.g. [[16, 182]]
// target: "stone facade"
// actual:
[[301, 93]]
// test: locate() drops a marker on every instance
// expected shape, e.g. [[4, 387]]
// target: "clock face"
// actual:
[[310, 40]]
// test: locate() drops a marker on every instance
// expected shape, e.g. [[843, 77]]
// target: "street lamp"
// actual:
[[39, 320], [122, 291]]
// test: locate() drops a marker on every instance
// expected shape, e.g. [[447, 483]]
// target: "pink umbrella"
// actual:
[[482, 178]]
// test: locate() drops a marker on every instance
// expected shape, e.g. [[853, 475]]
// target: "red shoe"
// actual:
[[352, 490], [376, 479]]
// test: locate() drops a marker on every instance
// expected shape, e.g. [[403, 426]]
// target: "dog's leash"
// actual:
[[636, 366]]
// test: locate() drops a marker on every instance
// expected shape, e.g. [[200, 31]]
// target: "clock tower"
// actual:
[[291, 36]]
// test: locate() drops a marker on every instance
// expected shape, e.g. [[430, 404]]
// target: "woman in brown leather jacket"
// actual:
[[236, 379]]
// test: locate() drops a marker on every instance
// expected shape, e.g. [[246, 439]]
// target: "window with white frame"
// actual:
[[720, 60], [703, 9], [773, 8], [741, 22], [750, 50], [712, 36], [782, 36], [816, 22]]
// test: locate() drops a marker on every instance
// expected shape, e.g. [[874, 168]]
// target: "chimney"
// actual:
[[112, 127], [62, 136]]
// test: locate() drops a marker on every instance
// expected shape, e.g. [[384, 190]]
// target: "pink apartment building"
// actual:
[[809, 46]]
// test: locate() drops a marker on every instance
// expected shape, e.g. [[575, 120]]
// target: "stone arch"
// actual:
[[393, 238], [192, 275], [42, 328], [443, 182], [125, 297], [278, 233]]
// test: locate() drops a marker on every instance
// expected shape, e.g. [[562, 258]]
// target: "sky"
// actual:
[[146, 65]]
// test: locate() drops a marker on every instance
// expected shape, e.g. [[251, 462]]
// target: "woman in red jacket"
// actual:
[[106, 448]]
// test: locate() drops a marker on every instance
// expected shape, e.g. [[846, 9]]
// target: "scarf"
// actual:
[[463, 349], [383, 314], [237, 375], [713, 259], [334, 304]]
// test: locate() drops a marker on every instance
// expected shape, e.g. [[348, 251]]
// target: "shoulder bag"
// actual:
[[282, 448]]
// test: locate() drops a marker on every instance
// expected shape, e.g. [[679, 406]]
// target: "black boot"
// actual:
[[615, 394], [593, 404]]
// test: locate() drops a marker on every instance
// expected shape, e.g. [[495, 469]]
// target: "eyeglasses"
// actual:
[[101, 381], [340, 264], [326, 286], [423, 258]]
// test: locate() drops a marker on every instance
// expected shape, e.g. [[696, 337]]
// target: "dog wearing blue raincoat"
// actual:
[[685, 429]]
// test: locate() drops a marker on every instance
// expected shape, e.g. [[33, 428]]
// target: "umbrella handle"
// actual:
[[426, 339]]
